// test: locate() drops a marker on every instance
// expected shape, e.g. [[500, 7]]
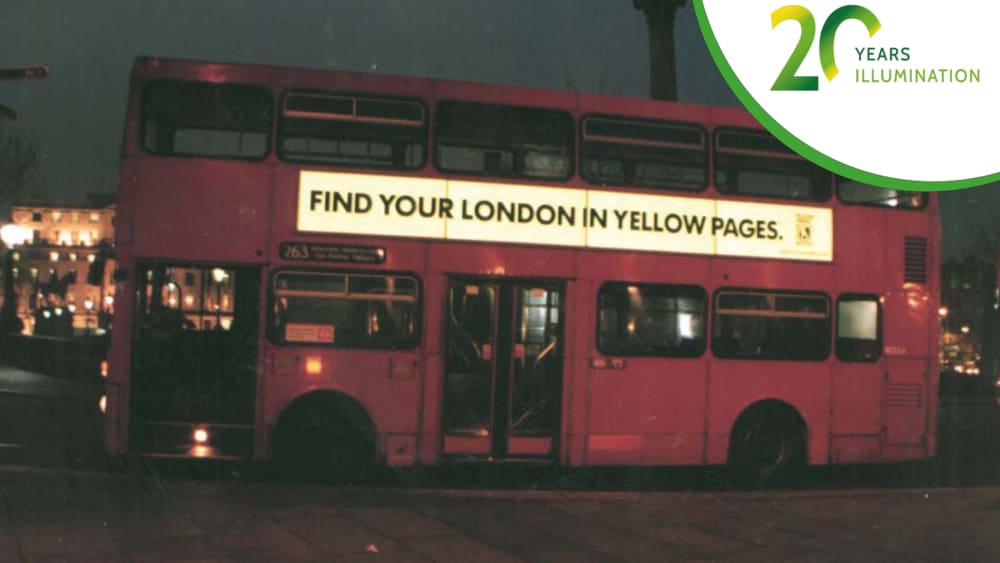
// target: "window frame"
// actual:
[[879, 327], [417, 338], [269, 133], [705, 146], [714, 345], [705, 336], [571, 138], [280, 117], [837, 179], [788, 154]]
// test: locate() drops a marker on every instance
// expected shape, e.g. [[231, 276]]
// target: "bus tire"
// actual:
[[767, 445], [317, 444]]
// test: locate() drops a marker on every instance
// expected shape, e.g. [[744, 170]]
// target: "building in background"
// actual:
[[969, 316], [50, 269]]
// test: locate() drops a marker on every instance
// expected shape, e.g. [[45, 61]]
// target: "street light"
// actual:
[[88, 303], [218, 276]]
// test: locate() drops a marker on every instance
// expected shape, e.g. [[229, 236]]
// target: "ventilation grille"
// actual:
[[915, 259], [906, 395]]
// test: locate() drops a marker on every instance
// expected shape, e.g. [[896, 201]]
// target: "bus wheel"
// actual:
[[767, 446], [313, 445]]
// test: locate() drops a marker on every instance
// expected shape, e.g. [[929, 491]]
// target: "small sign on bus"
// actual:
[[316, 252]]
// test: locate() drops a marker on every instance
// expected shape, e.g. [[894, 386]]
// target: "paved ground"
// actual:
[[87, 516], [51, 510]]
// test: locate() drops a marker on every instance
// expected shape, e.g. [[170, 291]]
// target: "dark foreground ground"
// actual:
[[134, 516], [61, 500]]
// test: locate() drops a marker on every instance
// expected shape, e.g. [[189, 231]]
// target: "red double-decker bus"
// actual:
[[337, 270]]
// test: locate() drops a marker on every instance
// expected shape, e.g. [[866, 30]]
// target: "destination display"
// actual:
[[314, 252], [348, 203]]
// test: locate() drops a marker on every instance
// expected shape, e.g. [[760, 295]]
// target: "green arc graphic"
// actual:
[[805, 149], [826, 37]]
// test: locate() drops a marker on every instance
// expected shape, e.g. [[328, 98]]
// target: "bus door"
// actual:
[[503, 368], [194, 360]]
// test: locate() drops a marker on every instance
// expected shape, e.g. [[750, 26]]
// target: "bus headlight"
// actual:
[[200, 436]]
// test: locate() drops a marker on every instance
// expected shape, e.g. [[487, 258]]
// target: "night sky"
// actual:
[[76, 113]]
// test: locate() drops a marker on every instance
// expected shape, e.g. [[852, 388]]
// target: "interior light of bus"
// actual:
[[104, 368], [686, 326], [103, 403], [200, 436], [380, 253], [314, 366]]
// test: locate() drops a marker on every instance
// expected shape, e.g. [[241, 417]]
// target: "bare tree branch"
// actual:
[[19, 160]]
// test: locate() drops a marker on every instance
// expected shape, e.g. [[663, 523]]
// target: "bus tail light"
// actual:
[[104, 369], [102, 404]]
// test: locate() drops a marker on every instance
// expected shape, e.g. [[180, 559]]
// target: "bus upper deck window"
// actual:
[[754, 163], [644, 153], [859, 193], [202, 119], [353, 130], [503, 141]]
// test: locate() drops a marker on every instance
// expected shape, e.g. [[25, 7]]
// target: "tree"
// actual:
[[19, 161]]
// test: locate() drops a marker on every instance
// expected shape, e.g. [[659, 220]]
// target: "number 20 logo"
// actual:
[[787, 79]]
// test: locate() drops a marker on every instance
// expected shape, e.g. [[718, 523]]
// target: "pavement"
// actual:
[[62, 500], [50, 516]]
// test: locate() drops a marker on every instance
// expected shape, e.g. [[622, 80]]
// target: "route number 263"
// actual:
[[787, 78]]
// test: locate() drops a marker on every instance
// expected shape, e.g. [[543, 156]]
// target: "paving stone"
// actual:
[[448, 549], [8, 547], [254, 532], [170, 549], [114, 557], [64, 539], [395, 556], [401, 523], [341, 535]]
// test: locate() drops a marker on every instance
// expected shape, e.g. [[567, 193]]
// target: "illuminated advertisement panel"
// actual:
[[359, 204]]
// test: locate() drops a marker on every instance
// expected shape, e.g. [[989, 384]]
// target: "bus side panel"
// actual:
[[576, 381], [192, 212], [860, 264], [385, 383], [911, 315], [435, 289], [735, 385], [857, 387]]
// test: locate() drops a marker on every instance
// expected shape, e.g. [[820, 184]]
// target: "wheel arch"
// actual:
[[347, 407], [770, 408]]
